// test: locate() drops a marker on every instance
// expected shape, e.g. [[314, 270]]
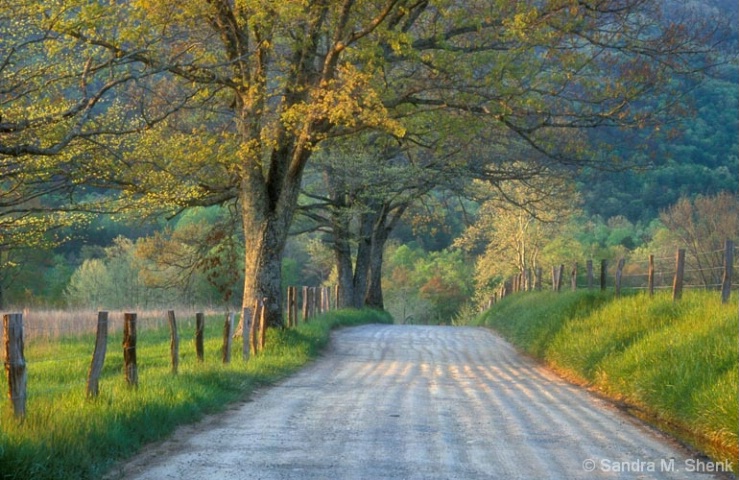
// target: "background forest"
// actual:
[[450, 238], [449, 248]]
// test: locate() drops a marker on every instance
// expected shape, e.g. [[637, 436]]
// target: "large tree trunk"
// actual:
[[374, 298], [353, 275], [386, 221], [341, 243], [362, 262], [380, 234], [268, 206], [265, 243], [345, 270]]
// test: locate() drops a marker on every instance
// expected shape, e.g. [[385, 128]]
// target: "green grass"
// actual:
[[675, 363], [67, 436]]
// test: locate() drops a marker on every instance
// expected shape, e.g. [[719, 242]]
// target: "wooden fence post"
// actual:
[[199, 332], [288, 312], [263, 324], [129, 349], [728, 271], [573, 277], [603, 274], [306, 303], [557, 274], [316, 301], [15, 362], [313, 302], [619, 275], [98, 356], [291, 320], [589, 269], [312, 293], [560, 276], [246, 321], [295, 306], [650, 276], [227, 326], [174, 342], [254, 327], [677, 283]]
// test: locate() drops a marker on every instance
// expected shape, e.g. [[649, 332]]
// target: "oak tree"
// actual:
[[201, 103]]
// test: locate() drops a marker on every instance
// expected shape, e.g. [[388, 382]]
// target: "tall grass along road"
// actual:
[[413, 402]]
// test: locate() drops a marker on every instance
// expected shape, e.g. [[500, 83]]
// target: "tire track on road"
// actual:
[[416, 402]]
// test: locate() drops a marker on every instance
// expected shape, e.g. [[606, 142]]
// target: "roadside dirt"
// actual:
[[414, 402]]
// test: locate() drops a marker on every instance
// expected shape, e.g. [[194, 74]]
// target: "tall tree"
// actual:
[[52, 91], [366, 184], [229, 99], [515, 223]]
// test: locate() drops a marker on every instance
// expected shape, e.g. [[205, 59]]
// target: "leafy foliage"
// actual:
[[515, 224], [224, 103], [429, 287]]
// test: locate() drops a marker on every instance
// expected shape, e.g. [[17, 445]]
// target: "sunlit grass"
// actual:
[[67, 436], [676, 362]]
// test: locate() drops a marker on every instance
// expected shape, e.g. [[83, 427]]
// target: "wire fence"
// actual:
[[52, 325], [59, 339], [712, 269]]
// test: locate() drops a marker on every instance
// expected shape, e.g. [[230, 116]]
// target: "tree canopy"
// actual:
[[180, 104]]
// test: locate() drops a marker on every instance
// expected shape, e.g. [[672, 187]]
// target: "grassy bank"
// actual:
[[66, 436], [673, 363]]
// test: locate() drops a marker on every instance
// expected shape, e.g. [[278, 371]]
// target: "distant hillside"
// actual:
[[700, 156]]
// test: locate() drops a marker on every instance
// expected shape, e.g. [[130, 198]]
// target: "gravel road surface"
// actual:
[[416, 402]]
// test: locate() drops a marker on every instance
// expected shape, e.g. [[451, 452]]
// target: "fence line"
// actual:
[[662, 273], [315, 301]]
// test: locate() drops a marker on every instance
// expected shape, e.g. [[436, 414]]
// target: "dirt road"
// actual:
[[413, 402]]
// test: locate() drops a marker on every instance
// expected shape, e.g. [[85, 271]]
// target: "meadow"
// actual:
[[674, 364], [65, 435]]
